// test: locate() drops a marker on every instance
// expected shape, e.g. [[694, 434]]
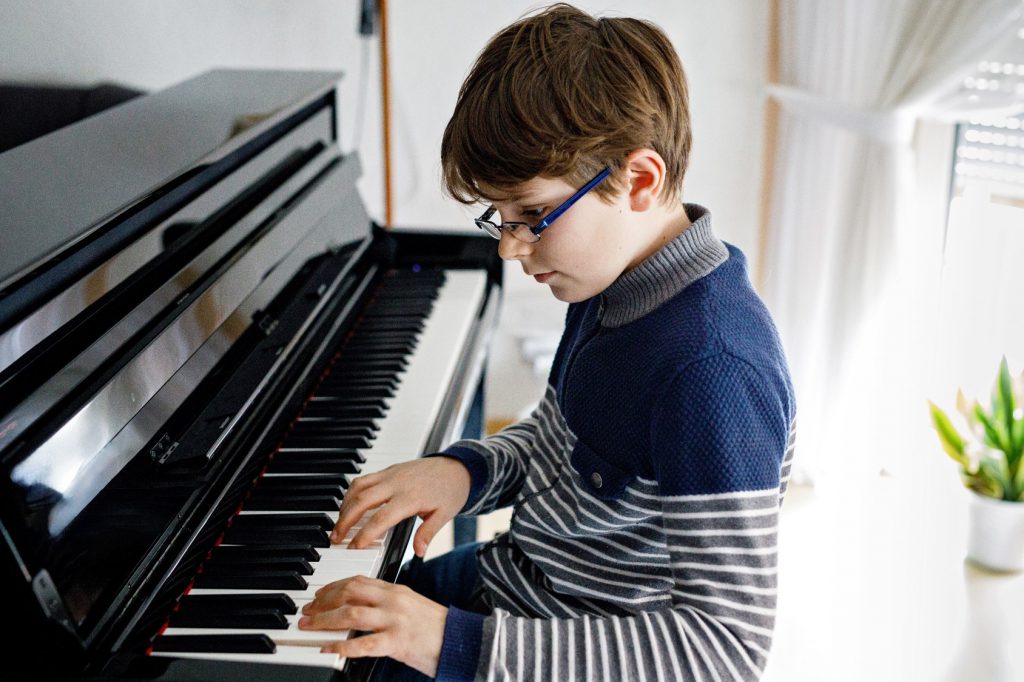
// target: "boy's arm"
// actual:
[[720, 436], [497, 464]]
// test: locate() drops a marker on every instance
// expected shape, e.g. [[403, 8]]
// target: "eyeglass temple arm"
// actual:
[[551, 217]]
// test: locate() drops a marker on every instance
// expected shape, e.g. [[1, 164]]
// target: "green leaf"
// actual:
[[1008, 407], [993, 438], [951, 441], [1017, 469], [1018, 435]]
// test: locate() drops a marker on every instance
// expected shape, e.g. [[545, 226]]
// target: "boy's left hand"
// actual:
[[404, 625]]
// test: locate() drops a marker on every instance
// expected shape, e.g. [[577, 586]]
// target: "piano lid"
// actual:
[[60, 189]]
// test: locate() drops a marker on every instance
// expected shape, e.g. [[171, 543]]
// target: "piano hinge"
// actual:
[[266, 324], [48, 597], [163, 449]]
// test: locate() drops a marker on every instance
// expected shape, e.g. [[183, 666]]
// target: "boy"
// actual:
[[646, 485]]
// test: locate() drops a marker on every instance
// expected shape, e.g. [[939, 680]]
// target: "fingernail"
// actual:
[[334, 538], [306, 608], [304, 621]]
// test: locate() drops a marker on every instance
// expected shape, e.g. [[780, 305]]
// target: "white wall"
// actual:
[[153, 43]]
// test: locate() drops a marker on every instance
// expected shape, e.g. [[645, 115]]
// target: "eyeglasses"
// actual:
[[525, 232]]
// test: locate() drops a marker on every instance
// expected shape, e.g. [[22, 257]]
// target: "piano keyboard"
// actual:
[[375, 407]]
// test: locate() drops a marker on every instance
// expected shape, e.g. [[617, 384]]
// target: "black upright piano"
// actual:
[[203, 338]]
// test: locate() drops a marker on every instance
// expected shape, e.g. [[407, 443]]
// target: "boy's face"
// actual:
[[583, 251]]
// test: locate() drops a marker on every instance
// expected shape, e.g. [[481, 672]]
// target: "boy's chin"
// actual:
[[571, 294]]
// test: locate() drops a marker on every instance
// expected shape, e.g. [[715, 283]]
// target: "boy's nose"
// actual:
[[510, 248]]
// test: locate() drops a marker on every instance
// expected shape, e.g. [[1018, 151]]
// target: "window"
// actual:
[[982, 283]]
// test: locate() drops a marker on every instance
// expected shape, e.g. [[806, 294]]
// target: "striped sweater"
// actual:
[[645, 487]]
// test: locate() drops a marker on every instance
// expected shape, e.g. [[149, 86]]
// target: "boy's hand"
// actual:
[[403, 625], [433, 488]]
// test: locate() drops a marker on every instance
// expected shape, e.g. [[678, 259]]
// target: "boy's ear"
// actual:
[[645, 175]]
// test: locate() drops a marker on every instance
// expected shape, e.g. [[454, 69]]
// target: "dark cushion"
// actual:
[[29, 111]]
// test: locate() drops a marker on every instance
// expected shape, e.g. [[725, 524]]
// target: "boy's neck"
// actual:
[[667, 222]]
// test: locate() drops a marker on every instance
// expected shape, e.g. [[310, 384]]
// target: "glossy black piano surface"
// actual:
[[203, 337]]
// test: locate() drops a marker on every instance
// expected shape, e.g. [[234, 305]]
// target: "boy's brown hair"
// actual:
[[562, 94]]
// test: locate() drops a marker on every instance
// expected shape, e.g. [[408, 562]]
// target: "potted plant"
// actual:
[[991, 466]]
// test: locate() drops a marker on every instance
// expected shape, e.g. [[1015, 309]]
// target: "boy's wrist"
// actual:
[[477, 467]]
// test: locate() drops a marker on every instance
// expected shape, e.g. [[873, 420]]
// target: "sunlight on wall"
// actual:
[[981, 294]]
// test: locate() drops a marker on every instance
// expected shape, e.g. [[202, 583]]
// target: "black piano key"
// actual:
[[343, 412], [347, 365], [298, 466], [321, 454], [372, 338], [199, 603], [383, 324], [352, 400], [344, 368], [255, 580], [360, 355], [235, 568], [313, 535], [367, 391], [293, 502], [397, 346], [358, 385], [255, 619], [321, 520], [241, 644], [287, 491], [345, 390], [395, 309], [355, 379], [317, 429], [321, 421], [302, 550], [300, 566], [277, 482], [349, 370], [328, 441]]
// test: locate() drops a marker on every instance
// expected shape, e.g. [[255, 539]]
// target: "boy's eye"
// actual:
[[533, 212]]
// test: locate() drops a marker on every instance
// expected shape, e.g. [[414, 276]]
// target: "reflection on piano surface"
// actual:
[[202, 340]]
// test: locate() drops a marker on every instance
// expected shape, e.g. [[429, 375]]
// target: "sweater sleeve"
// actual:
[[498, 464], [720, 434]]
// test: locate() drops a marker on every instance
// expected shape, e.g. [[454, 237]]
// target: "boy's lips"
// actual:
[[544, 276]]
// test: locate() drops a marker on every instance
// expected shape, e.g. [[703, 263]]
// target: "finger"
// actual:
[[357, 501], [355, 590], [347, 617], [378, 644], [385, 518], [428, 529]]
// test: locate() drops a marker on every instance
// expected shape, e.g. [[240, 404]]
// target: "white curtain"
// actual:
[[845, 261]]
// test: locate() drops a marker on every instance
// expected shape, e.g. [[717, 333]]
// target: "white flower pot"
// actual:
[[996, 533]]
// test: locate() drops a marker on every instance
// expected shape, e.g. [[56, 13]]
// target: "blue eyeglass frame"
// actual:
[[484, 222]]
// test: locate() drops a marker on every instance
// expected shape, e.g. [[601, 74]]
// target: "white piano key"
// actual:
[[292, 635], [285, 655]]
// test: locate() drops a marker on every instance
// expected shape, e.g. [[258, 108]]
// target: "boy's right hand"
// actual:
[[433, 488]]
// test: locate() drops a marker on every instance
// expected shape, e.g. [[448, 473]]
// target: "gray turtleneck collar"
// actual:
[[684, 260]]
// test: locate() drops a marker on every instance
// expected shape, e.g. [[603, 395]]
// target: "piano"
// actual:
[[203, 339]]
